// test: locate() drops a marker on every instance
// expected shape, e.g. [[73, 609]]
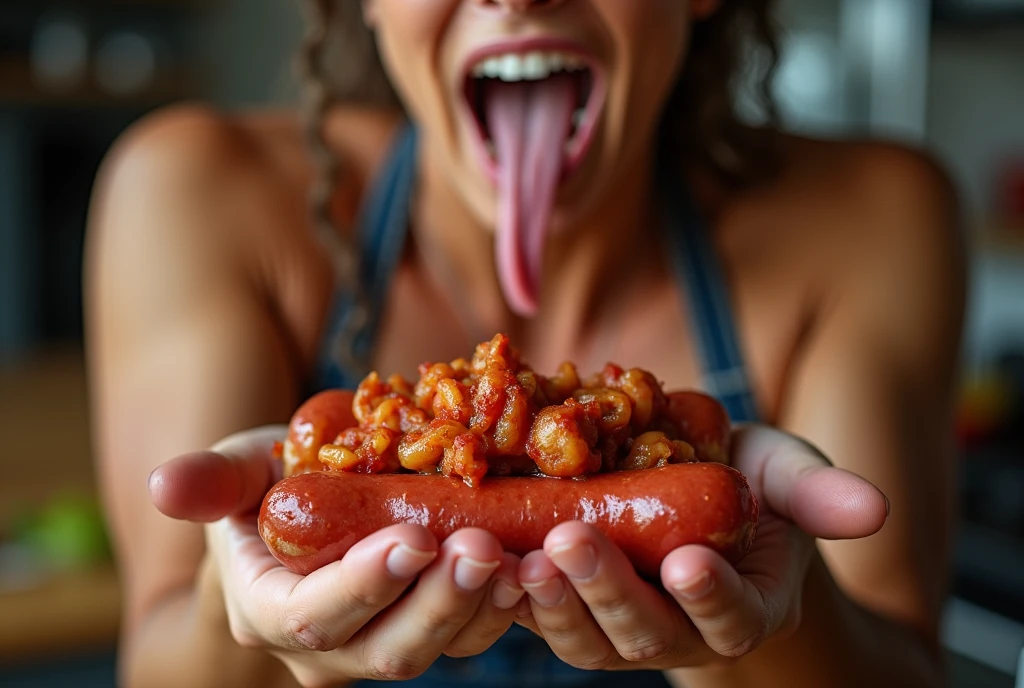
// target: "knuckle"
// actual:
[[599, 661], [303, 633], [441, 622], [744, 645], [385, 664], [613, 604], [644, 648], [362, 599], [557, 633]]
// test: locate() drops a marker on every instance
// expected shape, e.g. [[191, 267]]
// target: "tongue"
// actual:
[[529, 122]]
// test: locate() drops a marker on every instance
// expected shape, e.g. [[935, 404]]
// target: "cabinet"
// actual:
[[71, 78]]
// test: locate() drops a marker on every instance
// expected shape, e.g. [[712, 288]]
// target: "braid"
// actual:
[[318, 99]]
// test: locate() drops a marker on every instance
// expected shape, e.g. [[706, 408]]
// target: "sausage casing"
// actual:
[[309, 520]]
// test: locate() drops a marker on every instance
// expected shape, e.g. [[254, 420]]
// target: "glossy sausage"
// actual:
[[312, 519]]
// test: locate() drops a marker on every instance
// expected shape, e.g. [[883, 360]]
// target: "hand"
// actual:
[[594, 611], [352, 619]]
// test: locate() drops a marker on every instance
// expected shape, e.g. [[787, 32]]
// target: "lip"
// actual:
[[595, 104]]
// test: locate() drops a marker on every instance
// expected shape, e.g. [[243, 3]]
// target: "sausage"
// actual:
[[318, 421], [312, 519], [490, 443], [701, 421]]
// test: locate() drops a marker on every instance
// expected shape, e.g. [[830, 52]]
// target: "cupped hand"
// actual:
[[595, 612], [359, 617]]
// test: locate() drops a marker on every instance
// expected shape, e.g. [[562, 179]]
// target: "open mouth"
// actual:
[[491, 72], [532, 108]]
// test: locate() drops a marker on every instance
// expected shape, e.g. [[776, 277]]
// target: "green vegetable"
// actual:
[[68, 531]]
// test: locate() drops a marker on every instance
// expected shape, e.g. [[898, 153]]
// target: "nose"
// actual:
[[519, 5]]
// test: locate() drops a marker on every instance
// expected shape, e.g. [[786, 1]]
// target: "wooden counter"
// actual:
[[44, 433], [66, 615]]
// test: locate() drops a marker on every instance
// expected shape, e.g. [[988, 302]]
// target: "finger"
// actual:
[[733, 613], [325, 609], [407, 638], [524, 616], [495, 615], [230, 479], [798, 482], [562, 618], [635, 617]]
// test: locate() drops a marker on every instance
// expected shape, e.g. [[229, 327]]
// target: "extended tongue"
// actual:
[[529, 122]]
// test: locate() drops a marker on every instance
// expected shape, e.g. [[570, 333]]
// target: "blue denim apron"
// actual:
[[520, 658]]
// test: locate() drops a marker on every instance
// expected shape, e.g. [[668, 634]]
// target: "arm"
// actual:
[[182, 351], [185, 349], [834, 591], [874, 390]]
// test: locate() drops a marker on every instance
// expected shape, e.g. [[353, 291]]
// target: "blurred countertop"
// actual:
[[44, 432]]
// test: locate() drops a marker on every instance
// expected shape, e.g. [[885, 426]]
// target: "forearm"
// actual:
[[187, 641], [838, 643]]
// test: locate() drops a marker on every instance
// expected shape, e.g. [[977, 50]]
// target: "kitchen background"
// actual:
[[945, 74]]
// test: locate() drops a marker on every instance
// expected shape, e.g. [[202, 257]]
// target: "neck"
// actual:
[[586, 266]]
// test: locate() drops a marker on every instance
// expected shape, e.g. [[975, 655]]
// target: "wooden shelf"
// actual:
[[65, 615], [183, 5], [18, 86], [44, 415]]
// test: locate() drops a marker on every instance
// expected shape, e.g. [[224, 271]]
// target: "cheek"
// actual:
[[649, 40], [409, 36]]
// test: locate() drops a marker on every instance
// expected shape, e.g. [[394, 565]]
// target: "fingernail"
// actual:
[[577, 561], [505, 596], [404, 561], [471, 574], [696, 587], [888, 505], [546, 593]]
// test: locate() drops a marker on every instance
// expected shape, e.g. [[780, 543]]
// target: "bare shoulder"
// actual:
[[193, 203], [874, 198], [193, 154], [186, 152], [878, 229]]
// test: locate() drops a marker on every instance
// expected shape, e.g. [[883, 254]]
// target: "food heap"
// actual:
[[493, 415]]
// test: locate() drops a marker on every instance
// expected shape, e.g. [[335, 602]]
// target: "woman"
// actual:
[[572, 173]]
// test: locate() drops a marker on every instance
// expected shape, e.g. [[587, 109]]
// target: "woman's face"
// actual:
[[520, 100]]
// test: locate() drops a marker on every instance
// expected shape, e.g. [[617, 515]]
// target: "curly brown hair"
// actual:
[[734, 48]]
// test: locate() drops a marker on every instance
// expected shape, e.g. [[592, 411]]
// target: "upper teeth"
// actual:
[[531, 66]]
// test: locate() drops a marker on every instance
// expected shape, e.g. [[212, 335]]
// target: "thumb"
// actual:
[[797, 482], [230, 479]]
